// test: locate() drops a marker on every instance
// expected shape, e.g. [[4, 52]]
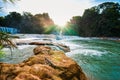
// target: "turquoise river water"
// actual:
[[98, 58]]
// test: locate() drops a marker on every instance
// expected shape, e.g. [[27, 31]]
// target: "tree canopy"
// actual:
[[102, 20], [27, 23]]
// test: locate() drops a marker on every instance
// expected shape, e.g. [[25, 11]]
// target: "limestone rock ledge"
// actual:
[[46, 64]]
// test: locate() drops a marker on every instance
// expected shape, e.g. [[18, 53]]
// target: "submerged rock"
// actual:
[[41, 43], [46, 64], [60, 46]]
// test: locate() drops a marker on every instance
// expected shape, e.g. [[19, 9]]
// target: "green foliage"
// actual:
[[2, 21], [27, 23], [13, 19], [102, 20], [1, 52], [51, 29], [70, 29], [5, 40]]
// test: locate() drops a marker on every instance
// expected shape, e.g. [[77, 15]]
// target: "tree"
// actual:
[[31, 24], [27, 23], [108, 23], [102, 20], [44, 19], [46, 22], [2, 21], [13, 19], [89, 21], [73, 26]]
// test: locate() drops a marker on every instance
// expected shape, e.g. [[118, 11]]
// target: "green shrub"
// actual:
[[1, 52]]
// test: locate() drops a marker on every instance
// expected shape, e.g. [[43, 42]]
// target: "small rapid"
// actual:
[[98, 58]]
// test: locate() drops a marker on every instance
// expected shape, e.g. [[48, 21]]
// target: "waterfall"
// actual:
[[9, 30], [59, 36]]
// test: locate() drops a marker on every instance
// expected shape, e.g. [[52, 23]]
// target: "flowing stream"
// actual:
[[98, 58]]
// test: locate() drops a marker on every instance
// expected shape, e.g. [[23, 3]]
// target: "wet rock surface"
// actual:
[[46, 64], [61, 46], [42, 42]]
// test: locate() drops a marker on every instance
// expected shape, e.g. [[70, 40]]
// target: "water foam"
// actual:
[[86, 52]]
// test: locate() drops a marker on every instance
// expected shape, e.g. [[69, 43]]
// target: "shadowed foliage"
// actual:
[[27, 23], [5, 40], [99, 21], [12, 1]]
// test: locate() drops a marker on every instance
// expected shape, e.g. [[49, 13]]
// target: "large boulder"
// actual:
[[26, 76], [46, 64]]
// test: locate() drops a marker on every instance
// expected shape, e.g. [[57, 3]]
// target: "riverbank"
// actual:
[[46, 64]]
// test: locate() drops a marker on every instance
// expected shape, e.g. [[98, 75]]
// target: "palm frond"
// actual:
[[12, 1], [5, 39]]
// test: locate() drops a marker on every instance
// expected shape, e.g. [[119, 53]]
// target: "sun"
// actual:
[[60, 23]]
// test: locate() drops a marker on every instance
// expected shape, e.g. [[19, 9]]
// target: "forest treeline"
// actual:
[[98, 21], [27, 23]]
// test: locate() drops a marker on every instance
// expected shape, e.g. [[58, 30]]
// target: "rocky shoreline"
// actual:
[[46, 64]]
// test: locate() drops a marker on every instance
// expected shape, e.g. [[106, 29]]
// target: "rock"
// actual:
[[42, 49], [60, 46], [63, 47], [41, 43], [26, 76], [46, 64]]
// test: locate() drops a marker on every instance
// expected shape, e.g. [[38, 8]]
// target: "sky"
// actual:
[[60, 11]]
